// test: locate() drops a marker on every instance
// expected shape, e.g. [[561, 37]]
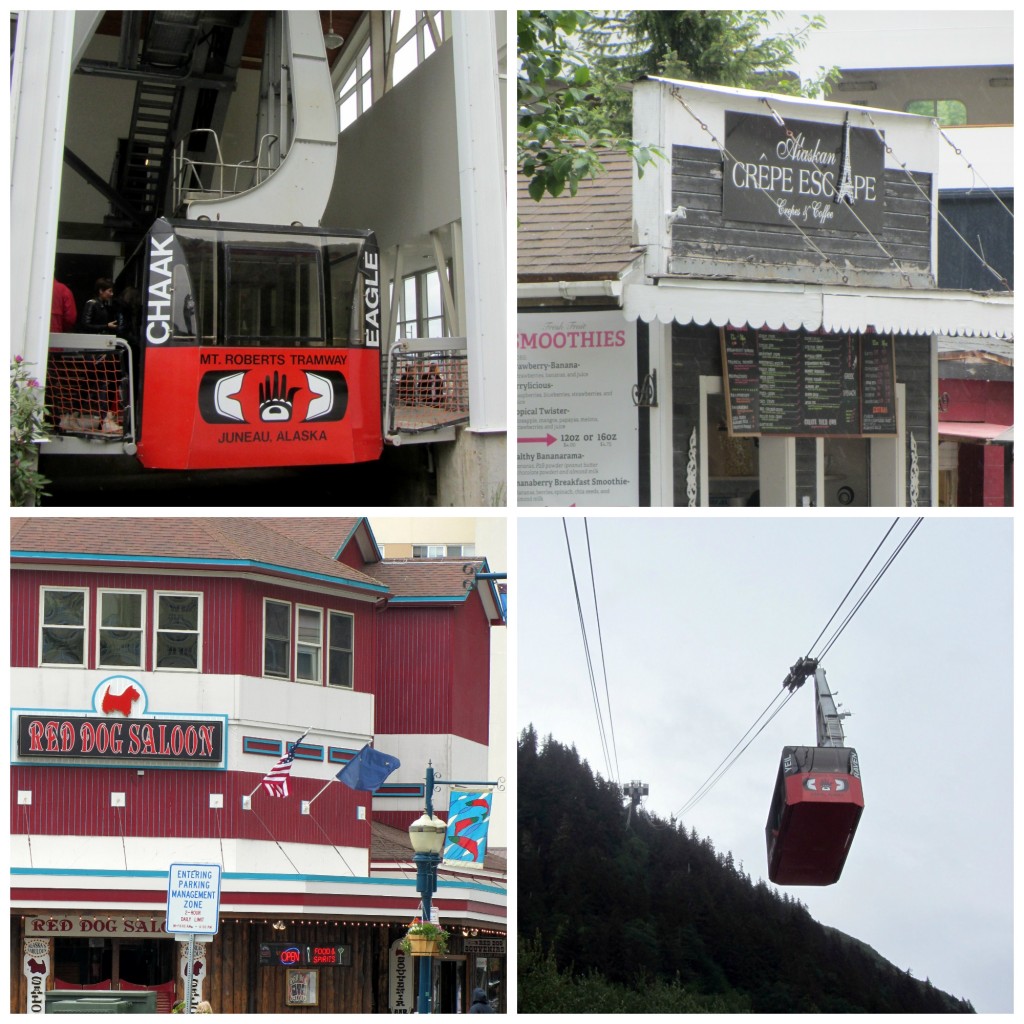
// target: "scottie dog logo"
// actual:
[[260, 397], [121, 702]]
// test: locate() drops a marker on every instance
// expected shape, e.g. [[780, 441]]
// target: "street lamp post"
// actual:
[[426, 834]]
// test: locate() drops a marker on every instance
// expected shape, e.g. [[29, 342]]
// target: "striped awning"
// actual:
[[786, 306]]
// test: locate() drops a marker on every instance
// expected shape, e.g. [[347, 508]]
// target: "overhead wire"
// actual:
[[604, 664], [602, 736], [730, 759]]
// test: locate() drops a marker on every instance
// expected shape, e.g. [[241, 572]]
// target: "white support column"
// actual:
[[777, 456], [660, 360], [40, 76], [482, 192]]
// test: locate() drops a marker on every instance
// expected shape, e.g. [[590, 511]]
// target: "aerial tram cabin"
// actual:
[[251, 345], [818, 799]]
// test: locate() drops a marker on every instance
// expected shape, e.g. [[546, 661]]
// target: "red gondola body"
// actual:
[[260, 346], [814, 815]]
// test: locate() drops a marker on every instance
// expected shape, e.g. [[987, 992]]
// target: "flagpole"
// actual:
[[293, 746], [309, 803]]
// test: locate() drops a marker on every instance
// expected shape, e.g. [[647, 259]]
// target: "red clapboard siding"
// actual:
[[232, 617], [76, 801], [415, 661], [472, 673]]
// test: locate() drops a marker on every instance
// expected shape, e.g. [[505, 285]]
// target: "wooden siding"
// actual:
[[471, 677], [167, 803], [706, 244], [232, 639], [415, 667], [696, 352], [914, 368], [234, 983]]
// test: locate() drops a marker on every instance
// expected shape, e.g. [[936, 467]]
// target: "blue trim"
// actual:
[[249, 876], [228, 563], [431, 600]]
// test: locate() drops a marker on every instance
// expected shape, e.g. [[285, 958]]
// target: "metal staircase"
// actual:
[[145, 158]]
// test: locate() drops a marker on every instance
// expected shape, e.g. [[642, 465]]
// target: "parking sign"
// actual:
[[193, 899]]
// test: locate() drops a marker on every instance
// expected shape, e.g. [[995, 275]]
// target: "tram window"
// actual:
[[342, 262], [273, 296], [195, 293]]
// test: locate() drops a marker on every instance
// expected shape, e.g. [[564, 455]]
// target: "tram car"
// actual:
[[242, 346], [815, 810]]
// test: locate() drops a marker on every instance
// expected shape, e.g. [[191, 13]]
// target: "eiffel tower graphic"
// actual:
[[844, 189]]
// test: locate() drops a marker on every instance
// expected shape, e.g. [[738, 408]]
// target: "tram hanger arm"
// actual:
[[800, 673]]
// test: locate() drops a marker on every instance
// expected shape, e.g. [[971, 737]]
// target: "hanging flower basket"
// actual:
[[425, 939]]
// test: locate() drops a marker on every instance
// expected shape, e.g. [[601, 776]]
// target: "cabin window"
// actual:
[[120, 630], [277, 639], [339, 656], [945, 111], [273, 295], [178, 637], [62, 628], [309, 645]]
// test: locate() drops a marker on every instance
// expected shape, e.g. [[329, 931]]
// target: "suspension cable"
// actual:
[[731, 758], [586, 649], [604, 664]]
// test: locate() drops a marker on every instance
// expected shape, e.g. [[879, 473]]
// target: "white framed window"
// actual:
[[309, 644], [178, 639], [277, 638], [63, 614], [120, 628], [417, 35], [340, 649], [443, 550], [356, 94], [421, 309]]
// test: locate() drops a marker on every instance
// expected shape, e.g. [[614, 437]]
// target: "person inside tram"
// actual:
[[99, 315]]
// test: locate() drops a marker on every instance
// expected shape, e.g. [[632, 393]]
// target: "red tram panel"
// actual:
[[215, 408], [814, 814]]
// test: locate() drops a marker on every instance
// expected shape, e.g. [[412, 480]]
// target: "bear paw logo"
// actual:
[[276, 400]]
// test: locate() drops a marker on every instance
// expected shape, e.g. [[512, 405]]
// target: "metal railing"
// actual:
[[90, 390], [427, 385], [188, 172]]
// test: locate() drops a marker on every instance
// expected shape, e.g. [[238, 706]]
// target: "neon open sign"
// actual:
[[286, 954]]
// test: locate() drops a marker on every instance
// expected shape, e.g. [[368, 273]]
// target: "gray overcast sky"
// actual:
[[701, 618]]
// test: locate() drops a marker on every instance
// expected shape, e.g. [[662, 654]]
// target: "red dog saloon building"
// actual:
[[160, 668]]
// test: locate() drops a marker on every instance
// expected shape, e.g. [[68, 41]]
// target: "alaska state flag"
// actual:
[[469, 814], [368, 769]]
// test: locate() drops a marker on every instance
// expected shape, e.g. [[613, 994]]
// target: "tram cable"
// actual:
[[590, 663], [604, 664], [719, 772]]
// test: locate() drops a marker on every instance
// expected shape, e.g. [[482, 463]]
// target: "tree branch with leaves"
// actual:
[[558, 145]]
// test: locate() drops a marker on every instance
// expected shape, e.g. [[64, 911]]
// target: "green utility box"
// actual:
[[79, 1001]]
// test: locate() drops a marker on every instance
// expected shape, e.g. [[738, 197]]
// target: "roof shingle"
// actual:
[[583, 237]]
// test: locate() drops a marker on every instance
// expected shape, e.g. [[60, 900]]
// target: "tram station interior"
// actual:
[[163, 105]]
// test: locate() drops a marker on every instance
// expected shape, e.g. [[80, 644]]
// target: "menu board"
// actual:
[[809, 384], [877, 384]]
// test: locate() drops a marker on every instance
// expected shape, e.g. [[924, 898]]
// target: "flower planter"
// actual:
[[422, 946]]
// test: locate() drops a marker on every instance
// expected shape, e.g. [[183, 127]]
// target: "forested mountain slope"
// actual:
[[650, 917]]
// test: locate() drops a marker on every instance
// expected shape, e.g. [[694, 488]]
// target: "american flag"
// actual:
[[275, 782]]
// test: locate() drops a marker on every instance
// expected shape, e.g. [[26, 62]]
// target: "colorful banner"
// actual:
[[469, 814]]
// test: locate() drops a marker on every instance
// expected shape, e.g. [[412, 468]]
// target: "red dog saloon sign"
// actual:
[[120, 730]]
